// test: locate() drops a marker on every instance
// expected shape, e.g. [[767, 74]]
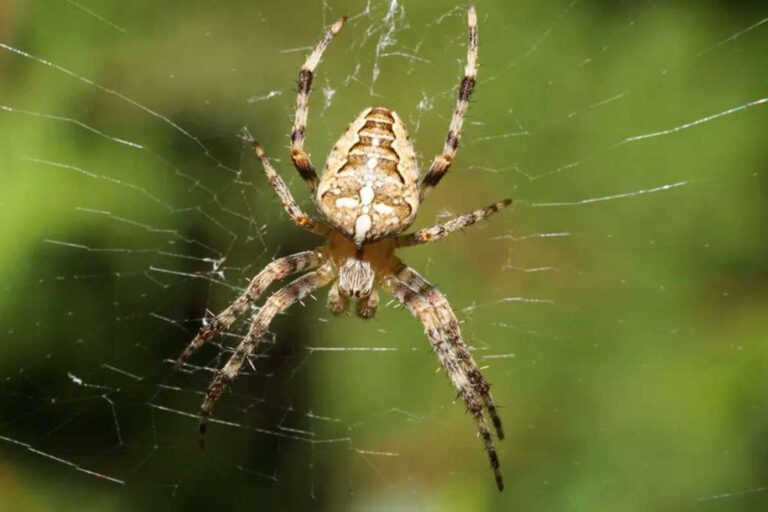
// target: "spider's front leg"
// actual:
[[450, 326], [275, 270], [277, 303], [451, 360]]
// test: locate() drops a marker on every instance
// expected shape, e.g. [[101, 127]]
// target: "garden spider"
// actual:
[[368, 195]]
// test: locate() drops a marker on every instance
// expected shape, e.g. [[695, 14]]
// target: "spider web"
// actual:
[[618, 309]]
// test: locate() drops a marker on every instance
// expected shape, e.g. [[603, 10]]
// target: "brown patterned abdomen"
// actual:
[[369, 186]]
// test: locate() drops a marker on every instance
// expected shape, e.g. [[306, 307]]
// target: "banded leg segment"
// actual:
[[438, 231], [300, 158], [277, 303], [450, 324], [442, 162], [277, 269], [297, 215], [422, 309]]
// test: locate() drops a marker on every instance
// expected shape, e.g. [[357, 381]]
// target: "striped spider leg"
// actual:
[[442, 230], [442, 162], [300, 158], [277, 303], [441, 327], [276, 270]]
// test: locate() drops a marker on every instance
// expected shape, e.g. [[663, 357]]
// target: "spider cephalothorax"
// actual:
[[368, 195]]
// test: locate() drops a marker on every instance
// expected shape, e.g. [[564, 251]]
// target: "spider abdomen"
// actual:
[[369, 188]]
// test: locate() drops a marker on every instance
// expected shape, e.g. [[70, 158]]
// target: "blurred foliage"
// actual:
[[635, 381]]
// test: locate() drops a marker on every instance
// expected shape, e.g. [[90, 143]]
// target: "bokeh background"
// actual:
[[620, 307]]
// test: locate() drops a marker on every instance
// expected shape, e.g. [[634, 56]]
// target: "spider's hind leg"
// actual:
[[442, 162], [300, 158]]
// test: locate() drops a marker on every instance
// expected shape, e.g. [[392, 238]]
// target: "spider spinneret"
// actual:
[[368, 195]]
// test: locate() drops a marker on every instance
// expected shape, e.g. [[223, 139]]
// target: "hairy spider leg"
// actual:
[[421, 308], [442, 230], [277, 303], [300, 158], [442, 162], [297, 215], [277, 269], [452, 332]]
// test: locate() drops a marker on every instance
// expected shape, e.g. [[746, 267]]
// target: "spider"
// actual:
[[368, 195]]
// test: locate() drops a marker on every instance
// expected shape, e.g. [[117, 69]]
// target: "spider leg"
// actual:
[[438, 231], [300, 158], [442, 162], [450, 326], [277, 303], [296, 214], [422, 309], [277, 269]]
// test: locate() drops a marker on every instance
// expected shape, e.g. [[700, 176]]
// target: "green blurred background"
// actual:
[[619, 307]]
